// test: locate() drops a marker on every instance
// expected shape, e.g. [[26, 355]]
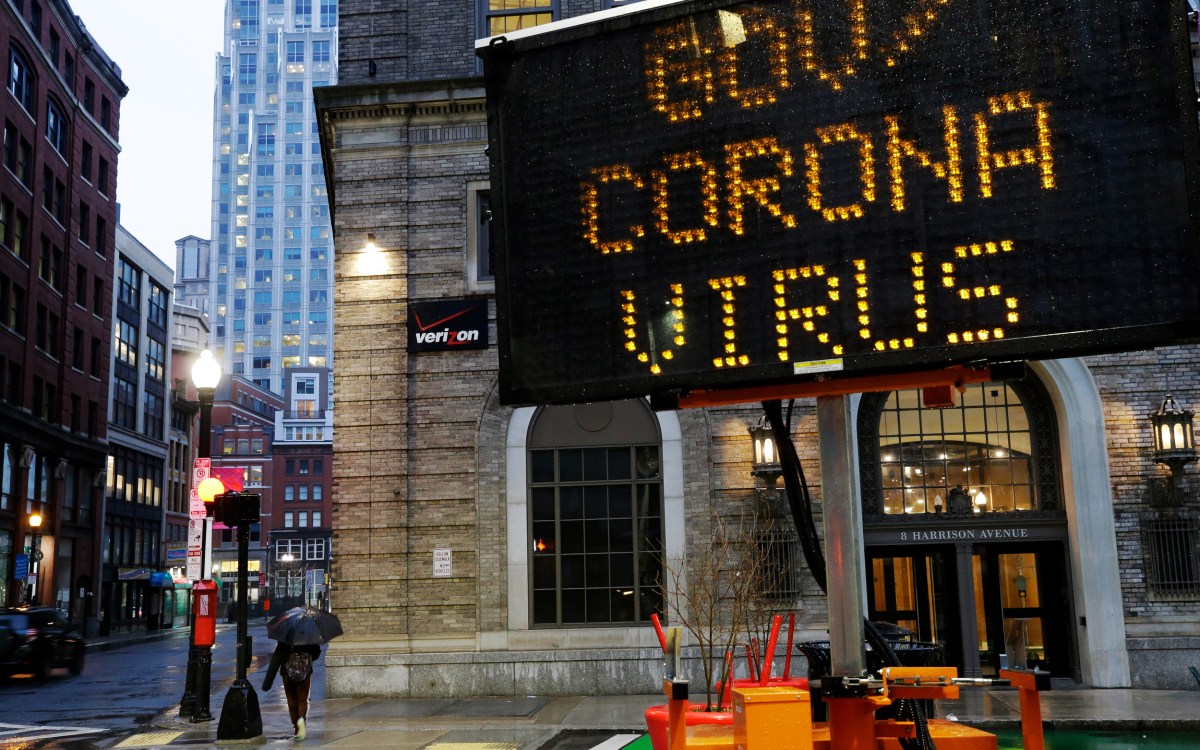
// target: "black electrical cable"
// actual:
[[796, 488], [906, 709]]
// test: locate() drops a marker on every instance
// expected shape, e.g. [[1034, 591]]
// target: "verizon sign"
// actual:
[[446, 325]]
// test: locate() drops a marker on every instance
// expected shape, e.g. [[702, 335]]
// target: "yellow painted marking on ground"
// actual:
[[150, 739], [472, 746]]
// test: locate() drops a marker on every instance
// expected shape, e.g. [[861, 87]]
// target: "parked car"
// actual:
[[37, 640]]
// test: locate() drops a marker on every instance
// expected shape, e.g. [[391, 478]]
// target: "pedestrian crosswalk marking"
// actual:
[[617, 741], [149, 739], [30, 732]]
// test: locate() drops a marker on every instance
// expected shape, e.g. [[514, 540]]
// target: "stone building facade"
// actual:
[[428, 461]]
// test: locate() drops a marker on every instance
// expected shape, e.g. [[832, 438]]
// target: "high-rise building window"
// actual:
[[85, 223], [320, 52], [247, 69], [81, 286], [101, 243], [124, 412], [156, 359], [158, 305], [129, 284], [56, 127], [248, 16], [265, 139], [125, 341], [303, 14], [154, 415], [329, 12], [18, 242], [20, 79], [85, 161]]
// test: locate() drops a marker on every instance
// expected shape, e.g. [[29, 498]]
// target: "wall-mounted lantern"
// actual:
[[1174, 447], [766, 465]]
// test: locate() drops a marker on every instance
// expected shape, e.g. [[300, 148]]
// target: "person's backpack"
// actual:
[[298, 666]]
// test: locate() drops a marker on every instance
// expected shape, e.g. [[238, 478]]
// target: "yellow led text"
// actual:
[[646, 353], [815, 303], [724, 287], [760, 171]]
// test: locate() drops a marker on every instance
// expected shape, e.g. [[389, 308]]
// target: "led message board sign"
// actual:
[[716, 194]]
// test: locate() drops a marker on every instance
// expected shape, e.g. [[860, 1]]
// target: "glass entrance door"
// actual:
[[1022, 609], [995, 603], [915, 590]]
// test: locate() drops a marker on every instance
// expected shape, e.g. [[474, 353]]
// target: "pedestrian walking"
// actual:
[[300, 632], [295, 663]]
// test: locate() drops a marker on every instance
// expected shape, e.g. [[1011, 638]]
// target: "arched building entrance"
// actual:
[[965, 530], [1045, 520]]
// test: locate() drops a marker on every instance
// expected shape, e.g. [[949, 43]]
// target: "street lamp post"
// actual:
[[241, 718], [35, 554], [206, 373], [287, 558]]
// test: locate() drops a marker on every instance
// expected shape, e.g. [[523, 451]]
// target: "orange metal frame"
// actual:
[[852, 724]]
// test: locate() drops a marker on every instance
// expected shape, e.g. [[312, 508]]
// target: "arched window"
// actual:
[[595, 514], [56, 127], [994, 452], [20, 79]]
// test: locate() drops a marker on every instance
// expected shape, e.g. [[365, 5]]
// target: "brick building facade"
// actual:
[[58, 221], [427, 460]]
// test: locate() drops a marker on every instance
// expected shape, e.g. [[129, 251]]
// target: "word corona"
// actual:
[[694, 173]]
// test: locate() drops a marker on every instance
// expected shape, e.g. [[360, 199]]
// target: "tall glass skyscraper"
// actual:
[[265, 276]]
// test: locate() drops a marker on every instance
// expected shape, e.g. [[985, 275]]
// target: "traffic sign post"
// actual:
[[195, 701]]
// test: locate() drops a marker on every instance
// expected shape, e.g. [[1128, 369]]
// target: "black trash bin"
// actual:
[[910, 654]]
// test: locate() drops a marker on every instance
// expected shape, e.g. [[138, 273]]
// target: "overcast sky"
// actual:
[[166, 51]]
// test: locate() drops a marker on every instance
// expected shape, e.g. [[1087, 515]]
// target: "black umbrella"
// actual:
[[304, 626]]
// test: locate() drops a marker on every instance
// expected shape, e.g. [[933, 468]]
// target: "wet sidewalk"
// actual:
[[585, 722], [529, 722]]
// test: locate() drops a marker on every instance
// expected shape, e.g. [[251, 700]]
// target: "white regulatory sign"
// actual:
[[443, 562]]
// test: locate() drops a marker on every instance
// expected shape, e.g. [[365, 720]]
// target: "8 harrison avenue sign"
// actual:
[[750, 187]]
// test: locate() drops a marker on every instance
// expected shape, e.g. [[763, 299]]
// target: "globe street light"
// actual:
[[35, 554], [206, 373]]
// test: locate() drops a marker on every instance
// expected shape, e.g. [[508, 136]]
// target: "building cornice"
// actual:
[[400, 100]]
